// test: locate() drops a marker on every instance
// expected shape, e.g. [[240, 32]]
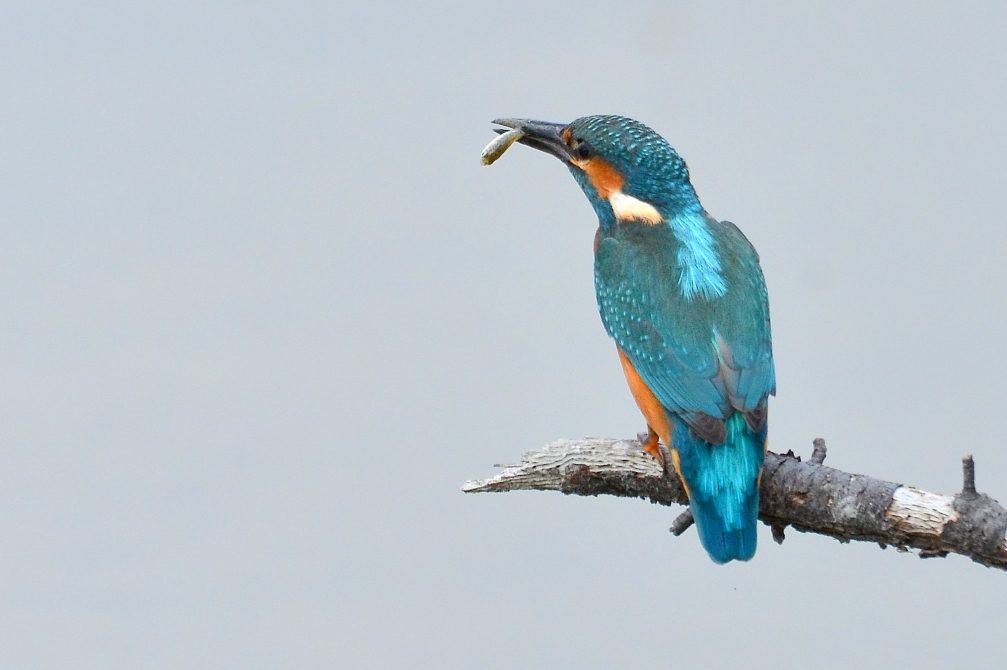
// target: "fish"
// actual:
[[499, 145]]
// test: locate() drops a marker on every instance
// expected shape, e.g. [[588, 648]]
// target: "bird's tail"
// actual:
[[723, 484]]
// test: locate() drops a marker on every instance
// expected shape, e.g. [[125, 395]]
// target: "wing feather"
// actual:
[[704, 358]]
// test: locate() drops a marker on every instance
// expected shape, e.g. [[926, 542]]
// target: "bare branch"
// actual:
[[808, 496], [682, 523], [818, 453], [969, 478]]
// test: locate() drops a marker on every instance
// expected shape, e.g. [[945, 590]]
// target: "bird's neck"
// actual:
[[667, 205], [687, 233], [678, 200]]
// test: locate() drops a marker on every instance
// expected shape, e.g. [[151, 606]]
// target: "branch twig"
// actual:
[[807, 496]]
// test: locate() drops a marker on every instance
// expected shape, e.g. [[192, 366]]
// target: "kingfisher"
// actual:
[[684, 298]]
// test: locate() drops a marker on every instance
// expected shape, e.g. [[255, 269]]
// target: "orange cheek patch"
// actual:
[[605, 179]]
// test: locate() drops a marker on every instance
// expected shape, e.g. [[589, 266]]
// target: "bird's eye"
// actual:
[[581, 150]]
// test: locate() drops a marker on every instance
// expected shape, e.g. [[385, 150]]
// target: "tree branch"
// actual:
[[807, 496]]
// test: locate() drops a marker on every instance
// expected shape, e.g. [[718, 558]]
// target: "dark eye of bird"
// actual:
[[582, 150]]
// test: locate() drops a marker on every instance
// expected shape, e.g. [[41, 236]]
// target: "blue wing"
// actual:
[[704, 357]]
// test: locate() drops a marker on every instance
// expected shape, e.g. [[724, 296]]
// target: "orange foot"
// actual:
[[651, 446]]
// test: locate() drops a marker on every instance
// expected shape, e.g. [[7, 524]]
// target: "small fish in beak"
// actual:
[[499, 145]]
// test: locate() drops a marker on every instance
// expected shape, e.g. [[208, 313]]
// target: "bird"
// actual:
[[683, 296]]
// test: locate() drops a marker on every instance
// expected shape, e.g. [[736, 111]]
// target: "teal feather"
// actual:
[[673, 339], [687, 302], [723, 487]]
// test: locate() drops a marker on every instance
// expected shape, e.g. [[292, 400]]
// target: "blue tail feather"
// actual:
[[722, 542], [723, 487]]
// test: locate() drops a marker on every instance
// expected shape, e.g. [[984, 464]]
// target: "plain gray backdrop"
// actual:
[[264, 313]]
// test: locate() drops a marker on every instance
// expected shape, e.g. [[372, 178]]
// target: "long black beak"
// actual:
[[541, 135]]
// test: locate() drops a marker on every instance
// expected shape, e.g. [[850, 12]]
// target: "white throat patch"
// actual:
[[628, 208]]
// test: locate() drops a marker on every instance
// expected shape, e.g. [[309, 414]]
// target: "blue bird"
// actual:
[[684, 298]]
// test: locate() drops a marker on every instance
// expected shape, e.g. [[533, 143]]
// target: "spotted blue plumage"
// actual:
[[673, 340], [683, 296], [687, 302]]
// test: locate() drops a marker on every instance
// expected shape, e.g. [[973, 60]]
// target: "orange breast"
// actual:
[[648, 403]]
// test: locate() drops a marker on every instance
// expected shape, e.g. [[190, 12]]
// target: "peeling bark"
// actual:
[[807, 495]]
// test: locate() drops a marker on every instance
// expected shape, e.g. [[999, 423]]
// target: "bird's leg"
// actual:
[[652, 446]]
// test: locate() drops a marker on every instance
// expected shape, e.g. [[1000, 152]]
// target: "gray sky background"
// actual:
[[265, 313]]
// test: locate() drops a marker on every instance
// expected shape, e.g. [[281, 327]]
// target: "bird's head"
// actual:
[[627, 170]]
